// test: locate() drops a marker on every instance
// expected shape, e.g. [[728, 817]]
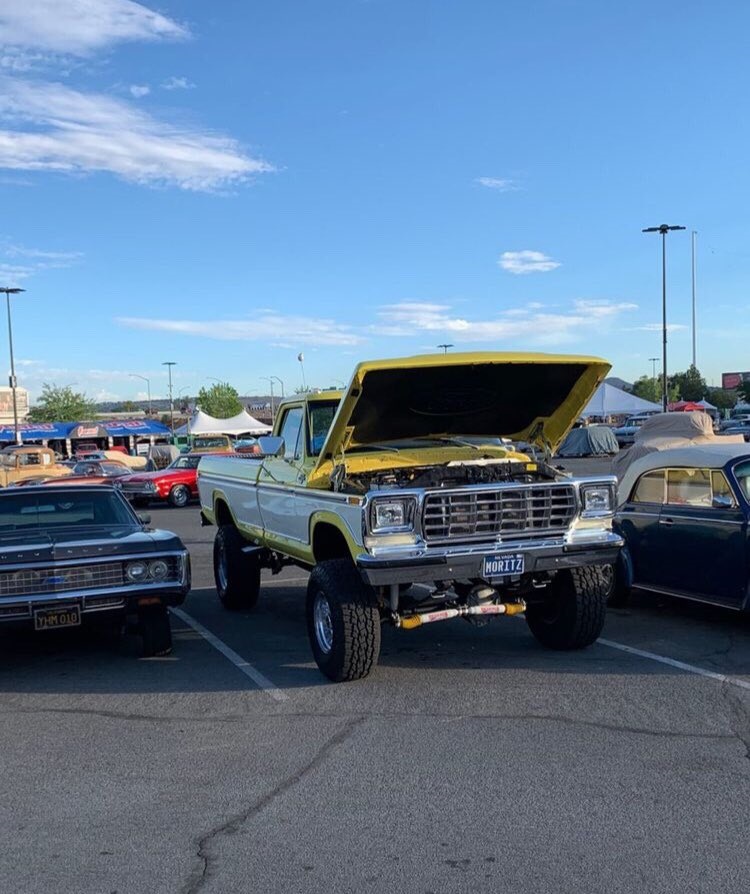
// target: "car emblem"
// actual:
[[54, 580]]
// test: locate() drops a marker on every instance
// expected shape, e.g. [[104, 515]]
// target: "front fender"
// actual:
[[324, 516]]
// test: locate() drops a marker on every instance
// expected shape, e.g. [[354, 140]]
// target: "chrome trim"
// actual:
[[90, 560], [83, 595], [670, 519]]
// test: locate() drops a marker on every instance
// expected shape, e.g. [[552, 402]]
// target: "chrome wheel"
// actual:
[[323, 623]]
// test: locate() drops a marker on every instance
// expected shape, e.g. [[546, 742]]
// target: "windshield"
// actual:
[[216, 441], [186, 462], [21, 510]]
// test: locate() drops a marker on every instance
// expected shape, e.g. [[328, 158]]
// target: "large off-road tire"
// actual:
[[179, 496], [237, 574], [572, 615], [155, 630], [343, 621]]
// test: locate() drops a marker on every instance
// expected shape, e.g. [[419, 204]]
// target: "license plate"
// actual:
[[54, 618], [502, 566]]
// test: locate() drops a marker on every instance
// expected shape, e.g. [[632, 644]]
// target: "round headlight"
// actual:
[[158, 570], [135, 572]]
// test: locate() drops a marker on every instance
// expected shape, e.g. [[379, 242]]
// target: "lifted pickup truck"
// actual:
[[403, 480]]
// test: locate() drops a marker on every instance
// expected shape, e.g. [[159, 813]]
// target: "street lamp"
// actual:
[[301, 358], [277, 379], [270, 380], [445, 348], [169, 364], [653, 360], [148, 388], [693, 236], [12, 290], [663, 229]]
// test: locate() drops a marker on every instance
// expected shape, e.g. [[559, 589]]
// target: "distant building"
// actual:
[[6, 405]]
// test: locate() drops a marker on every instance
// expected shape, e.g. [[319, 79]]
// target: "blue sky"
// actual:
[[228, 184]]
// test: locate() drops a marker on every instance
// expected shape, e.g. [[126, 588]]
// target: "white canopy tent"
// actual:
[[611, 401], [241, 424]]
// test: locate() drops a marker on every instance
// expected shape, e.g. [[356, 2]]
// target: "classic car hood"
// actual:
[[525, 397], [152, 476], [71, 543]]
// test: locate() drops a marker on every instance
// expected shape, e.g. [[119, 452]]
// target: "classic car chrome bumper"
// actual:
[[100, 599], [429, 564]]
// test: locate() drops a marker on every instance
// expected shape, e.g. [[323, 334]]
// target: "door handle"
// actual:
[[666, 521]]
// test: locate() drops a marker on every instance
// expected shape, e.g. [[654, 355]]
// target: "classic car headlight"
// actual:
[[392, 515], [135, 572], [150, 486], [597, 501], [158, 570]]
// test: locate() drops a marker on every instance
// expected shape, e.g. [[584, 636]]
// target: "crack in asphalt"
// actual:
[[735, 704], [233, 825], [739, 721]]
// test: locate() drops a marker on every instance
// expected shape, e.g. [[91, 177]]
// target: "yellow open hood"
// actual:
[[525, 397]]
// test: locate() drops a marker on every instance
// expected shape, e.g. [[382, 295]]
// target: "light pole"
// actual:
[[693, 236], [12, 290], [653, 368], [445, 348], [301, 358], [663, 229], [179, 393], [169, 364], [277, 379], [270, 380], [148, 388]]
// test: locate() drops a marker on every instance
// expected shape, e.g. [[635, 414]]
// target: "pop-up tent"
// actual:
[[611, 401], [241, 424]]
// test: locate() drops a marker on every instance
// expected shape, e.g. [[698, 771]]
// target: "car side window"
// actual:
[[689, 487], [721, 490], [291, 431], [650, 488]]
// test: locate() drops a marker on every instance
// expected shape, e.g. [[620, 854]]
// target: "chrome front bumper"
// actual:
[[450, 563]]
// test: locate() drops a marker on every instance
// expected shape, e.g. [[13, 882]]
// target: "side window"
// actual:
[[689, 487], [290, 431], [321, 416], [650, 488]]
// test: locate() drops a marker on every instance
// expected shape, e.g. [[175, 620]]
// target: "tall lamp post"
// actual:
[[148, 388], [653, 361], [11, 290], [169, 364], [663, 229], [693, 237], [445, 348], [270, 380], [301, 358]]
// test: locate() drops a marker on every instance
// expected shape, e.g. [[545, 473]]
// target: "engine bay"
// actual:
[[452, 474]]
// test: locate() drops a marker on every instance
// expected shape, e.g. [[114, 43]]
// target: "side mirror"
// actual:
[[144, 518], [271, 446]]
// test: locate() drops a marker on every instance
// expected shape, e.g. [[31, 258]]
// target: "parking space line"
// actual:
[[672, 662], [260, 680]]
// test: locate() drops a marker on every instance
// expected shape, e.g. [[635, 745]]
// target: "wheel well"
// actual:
[[222, 514], [329, 543]]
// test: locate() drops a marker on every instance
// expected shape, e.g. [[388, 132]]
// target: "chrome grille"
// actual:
[[508, 513], [60, 579]]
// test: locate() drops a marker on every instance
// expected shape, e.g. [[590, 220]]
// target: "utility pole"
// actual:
[[148, 388], [445, 348], [169, 364], [663, 229], [270, 379], [8, 292], [694, 235]]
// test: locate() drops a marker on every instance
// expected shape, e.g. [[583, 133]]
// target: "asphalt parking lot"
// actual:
[[470, 761]]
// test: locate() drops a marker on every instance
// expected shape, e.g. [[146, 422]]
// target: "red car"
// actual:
[[177, 484]]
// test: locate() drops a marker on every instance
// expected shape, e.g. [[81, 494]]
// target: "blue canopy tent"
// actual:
[[37, 431]]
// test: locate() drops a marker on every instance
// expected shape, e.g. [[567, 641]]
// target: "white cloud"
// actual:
[[74, 132], [267, 326], [499, 184], [139, 90], [43, 258], [534, 326], [174, 83], [527, 262], [80, 27], [657, 327]]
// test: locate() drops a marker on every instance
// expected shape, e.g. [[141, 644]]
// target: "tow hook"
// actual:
[[460, 611]]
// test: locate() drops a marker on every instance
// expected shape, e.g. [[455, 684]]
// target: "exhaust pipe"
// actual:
[[490, 608]]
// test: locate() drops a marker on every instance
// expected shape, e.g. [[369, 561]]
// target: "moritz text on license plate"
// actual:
[[502, 566], [53, 618]]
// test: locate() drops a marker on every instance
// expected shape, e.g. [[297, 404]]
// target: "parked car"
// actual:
[[684, 515], [70, 556], [176, 484], [211, 444], [101, 468], [737, 428], [626, 432], [20, 463]]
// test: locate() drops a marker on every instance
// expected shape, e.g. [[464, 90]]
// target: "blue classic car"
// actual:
[[79, 555], [684, 514]]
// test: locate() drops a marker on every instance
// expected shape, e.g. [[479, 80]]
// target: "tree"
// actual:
[[647, 388], [721, 398], [690, 385], [61, 404], [220, 401]]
